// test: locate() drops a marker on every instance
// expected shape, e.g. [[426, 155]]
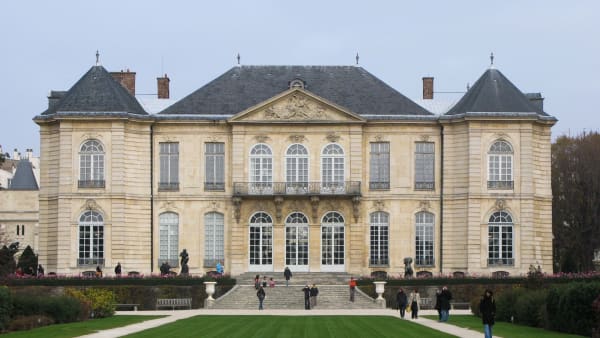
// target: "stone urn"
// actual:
[[379, 289], [210, 289]]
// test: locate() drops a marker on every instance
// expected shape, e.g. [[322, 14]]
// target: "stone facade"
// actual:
[[132, 199]]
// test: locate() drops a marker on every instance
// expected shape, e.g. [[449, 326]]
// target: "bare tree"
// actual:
[[576, 201]]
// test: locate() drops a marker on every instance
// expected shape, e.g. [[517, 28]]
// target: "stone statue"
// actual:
[[408, 271], [184, 262]]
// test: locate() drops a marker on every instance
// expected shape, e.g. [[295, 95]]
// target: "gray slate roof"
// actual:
[[245, 86], [24, 179], [494, 93], [97, 92]]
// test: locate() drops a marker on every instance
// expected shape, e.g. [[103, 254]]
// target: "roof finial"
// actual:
[[238, 58], [357, 58], [468, 86], [97, 58], [492, 60]]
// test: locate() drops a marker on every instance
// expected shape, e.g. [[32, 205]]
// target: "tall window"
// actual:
[[332, 241], [332, 169], [379, 168], [169, 166], [500, 158], [296, 168], [214, 239], [91, 165], [424, 239], [261, 241], [261, 169], [214, 166], [91, 238], [379, 238], [500, 239], [424, 166], [168, 238]]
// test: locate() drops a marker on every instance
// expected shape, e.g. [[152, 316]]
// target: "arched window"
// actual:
[[424, 239], [332, 242], [296, 241], [91, 238], [500, 166], [169, 239], [296, 167], [91, 164], [332, 169], [261, 242], [214, 239], [500, 239], [261, 170], [379, 238]]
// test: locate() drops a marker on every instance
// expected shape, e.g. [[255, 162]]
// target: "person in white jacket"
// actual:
[[415, 303]]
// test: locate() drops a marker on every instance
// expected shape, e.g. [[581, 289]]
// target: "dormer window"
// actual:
[[297, 83]]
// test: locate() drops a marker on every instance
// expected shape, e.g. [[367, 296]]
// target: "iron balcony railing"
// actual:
[[90, 183], [501, 261], [90, 261], [168, 186], [347, 188], [501, 185]]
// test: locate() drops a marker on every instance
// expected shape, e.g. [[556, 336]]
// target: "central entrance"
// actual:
[[296, 242], [332, 242], [261, 242]]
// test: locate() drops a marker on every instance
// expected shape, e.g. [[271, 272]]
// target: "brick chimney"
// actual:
[[54, 97], [163, 87], [428, 88], [126, 79]]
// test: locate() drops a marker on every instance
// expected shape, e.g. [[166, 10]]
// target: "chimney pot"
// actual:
[[163, 87], [428, 88]]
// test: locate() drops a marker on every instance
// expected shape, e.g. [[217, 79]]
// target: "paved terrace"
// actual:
[[181, 314]]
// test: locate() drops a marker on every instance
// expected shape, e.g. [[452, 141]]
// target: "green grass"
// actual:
[[503, 329], [79, 328], [292, 327]]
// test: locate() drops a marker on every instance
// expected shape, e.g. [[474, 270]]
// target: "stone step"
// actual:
[[292, 297], [319, 278]]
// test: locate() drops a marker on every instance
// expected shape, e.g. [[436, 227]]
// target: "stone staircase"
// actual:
[[333, 293]]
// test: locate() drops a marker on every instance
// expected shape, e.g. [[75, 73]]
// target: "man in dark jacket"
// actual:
[[261, 297], [314, 292], [402, 301], [306, 291], [445, 298], [487, 308], [287, 273]]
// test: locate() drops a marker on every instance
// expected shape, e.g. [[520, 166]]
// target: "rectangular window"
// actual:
[[500, 244], [214, 166], [379, 166], [169, 166], [424, 239], [424, 166], [214, 239], [500, 172]]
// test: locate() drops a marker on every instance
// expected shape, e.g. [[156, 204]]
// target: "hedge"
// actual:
[[107, 281]]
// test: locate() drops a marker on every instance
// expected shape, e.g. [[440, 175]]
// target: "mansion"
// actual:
[[318, 168]]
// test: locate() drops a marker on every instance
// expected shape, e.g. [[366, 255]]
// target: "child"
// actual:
[[271, 282], [264, 282]]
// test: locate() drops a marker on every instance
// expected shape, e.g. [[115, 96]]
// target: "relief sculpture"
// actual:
[[297, 107]]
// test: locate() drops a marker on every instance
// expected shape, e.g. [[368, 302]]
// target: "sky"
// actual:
[[552, 47]]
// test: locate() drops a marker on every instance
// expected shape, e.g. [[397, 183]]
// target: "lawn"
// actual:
[[292, 327], [79, 328], [503, 329]]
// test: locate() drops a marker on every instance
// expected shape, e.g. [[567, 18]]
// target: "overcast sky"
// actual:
[[552, 47]]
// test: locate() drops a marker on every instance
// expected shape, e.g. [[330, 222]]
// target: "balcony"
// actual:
[[501, 261], [500, 185], [90, 261], [90, 184], [214, 186], [347, 188]]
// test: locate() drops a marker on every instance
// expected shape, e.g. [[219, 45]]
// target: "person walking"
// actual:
[[40, 270], [256, 281], [445, 298], [402, 301], [314, 292], [438, 295], [306, 291], [118, 269], [352, 285], [487, 308], [261, 297], [415, 303], [287, 273]]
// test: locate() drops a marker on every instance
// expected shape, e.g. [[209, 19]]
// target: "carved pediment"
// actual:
[[296, 105]]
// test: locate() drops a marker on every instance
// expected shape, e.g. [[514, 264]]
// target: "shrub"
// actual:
[[5, 307], [569, 307], [530, 308], [29, 322], [63, 309], [505, 304], [100, 301], [28, 262]]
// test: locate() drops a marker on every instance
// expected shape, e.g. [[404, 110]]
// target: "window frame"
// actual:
[[90, 239], [501, 253], [379, 166], [424, 161], [424, 236], [379, 239], [333, 168], [92, 164], [169, 161], [214, 177], [500, 174], [168, 222], [214, 238]]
